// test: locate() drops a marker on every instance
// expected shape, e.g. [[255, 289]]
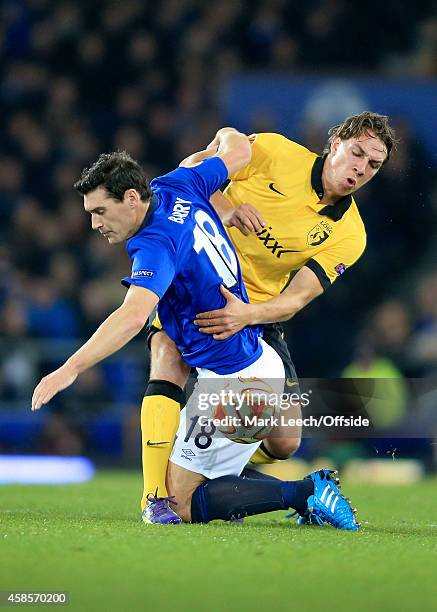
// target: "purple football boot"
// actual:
[[159, 512]]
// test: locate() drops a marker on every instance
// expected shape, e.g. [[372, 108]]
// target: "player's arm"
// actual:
[[233, 148], [116, 331], [236, 153], [244, 217], [317, 275], [304, 287]]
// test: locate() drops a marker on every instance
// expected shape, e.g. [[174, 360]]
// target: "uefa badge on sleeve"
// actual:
[[340, 269]]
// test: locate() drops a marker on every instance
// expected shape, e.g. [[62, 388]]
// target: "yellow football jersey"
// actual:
[[284, 182]]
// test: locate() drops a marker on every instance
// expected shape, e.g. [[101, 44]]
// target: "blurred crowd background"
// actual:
[[79, 78]]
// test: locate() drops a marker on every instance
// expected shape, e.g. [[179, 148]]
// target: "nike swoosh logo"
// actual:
[[272, 187], [149, 443]]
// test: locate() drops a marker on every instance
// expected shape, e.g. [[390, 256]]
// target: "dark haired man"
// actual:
[[181, 256], [304, 233]]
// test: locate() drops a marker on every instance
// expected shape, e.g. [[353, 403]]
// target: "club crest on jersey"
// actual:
[[180, 212], [319, 234]]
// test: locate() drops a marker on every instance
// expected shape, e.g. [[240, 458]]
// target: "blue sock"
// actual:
[[236, 497]]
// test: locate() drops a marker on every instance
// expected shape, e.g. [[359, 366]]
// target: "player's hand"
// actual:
[[195, 158], [227, 321], [50, 385], [246, 218], [215, 142]]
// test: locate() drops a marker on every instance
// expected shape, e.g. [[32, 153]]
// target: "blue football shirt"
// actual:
[[182, 253]]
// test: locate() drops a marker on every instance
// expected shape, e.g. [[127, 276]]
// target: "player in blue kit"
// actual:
[[181, 257]]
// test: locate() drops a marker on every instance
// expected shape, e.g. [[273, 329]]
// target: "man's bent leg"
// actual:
[[316, 497], [234, 497], [160, 410], [199, 500]]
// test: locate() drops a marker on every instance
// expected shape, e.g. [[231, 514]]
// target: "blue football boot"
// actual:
[[327, 504], [305, 520]]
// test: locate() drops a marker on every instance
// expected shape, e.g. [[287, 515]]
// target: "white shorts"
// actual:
[[215, 456]]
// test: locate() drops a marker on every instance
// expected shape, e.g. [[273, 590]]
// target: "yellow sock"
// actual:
[[159, 424], [261, 457]]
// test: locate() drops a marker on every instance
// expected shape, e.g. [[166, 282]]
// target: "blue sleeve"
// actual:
[[153, 264], [206, 178]]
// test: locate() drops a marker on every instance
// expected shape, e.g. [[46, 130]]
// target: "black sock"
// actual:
[[294, 496], [235, 497]]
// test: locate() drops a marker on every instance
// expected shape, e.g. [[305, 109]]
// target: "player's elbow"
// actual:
[[136, 308], [135, 320], [303, 299], [296, 303], [133, 327], [139, 321]]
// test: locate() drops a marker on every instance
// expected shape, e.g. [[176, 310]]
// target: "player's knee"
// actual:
[[166, 360], [292, 445], [282, 448]]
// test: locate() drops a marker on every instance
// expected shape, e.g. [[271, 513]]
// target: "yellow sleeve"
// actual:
[[266, 148], [328, 265]]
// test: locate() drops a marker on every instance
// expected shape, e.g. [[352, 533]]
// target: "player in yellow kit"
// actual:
[[301, 231]]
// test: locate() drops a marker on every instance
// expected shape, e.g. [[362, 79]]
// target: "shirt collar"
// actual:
[[337, 210]]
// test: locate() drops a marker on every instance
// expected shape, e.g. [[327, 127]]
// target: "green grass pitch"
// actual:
[[87, 539]]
